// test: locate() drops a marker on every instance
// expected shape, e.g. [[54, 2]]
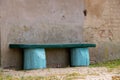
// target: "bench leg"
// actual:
[[34, 58], [80, 57]]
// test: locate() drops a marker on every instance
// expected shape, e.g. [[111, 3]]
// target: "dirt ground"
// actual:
[[74, 73]]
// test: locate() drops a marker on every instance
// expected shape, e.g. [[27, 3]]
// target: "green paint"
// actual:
[[52, 45]]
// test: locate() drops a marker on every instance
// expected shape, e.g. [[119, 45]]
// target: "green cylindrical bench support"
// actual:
[[80, 57], [34, 58]]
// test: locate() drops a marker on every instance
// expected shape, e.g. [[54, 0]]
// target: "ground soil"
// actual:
[[77, 73]]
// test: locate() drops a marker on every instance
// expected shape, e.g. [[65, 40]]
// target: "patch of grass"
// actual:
[[74, 76], [39, 78], [3, 77], [108, 64], [8, 77], [55, 77]]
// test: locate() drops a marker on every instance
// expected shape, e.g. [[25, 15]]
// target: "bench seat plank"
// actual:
[[82, 45]]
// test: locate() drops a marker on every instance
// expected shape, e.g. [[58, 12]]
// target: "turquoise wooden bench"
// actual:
[[34, 54]]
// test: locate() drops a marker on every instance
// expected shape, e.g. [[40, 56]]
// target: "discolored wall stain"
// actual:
[[106, 53], [95, 7], [102, 27]]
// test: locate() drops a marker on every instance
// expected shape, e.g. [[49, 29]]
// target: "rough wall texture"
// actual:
[[102, 26], [59, 21], [38, 21]]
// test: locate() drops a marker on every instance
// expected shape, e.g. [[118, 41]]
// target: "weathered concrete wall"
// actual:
[[102, 26], [39, 21]]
